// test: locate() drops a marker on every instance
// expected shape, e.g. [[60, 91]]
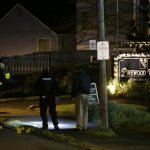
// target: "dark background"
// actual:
[[57, 14]]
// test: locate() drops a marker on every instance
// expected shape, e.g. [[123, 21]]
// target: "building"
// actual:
[[23, 33], [125, 20]]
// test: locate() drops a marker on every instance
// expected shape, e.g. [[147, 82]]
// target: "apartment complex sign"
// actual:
[[135, 66]]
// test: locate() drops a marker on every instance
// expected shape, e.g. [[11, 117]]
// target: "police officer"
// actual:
[[2, 76], [47, 89]]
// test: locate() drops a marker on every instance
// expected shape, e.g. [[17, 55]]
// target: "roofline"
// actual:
[[18, 5]]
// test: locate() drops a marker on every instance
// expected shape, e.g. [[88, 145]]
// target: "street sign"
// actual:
[[93, 96], [92, 44], [102, 50]]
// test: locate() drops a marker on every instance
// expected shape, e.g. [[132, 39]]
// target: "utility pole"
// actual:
[[102, 65], [117, 27]]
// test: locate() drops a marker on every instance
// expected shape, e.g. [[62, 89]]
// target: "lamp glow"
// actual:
[[111, 88]]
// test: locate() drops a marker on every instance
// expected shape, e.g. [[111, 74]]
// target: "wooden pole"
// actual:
[[102, 65]]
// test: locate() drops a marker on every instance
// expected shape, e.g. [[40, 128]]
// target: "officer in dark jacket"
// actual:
[[47, 89], [80, 91]]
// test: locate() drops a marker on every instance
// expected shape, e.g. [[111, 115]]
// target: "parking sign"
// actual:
[[102, 50]]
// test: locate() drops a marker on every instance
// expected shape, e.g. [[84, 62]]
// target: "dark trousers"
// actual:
[[45, 104]]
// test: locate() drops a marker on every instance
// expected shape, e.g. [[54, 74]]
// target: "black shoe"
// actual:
[[45, 126]]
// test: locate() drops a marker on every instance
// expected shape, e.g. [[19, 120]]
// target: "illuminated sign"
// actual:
[[135, 66]]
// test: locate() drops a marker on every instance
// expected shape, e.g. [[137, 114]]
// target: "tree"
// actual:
[[125, 16]]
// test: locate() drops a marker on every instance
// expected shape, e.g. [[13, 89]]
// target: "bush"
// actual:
[[64, 74], [94, 112], [125, 115], [130, 90]]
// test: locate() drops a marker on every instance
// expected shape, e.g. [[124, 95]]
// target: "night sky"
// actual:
[[57, 14]]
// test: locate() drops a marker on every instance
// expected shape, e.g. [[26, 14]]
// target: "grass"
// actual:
[[102, 133], [66, 110], [129, 116]]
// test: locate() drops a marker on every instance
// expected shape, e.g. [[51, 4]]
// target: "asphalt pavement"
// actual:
[[10, 140]]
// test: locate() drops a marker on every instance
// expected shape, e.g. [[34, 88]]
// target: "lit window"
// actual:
[[43, 45]]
